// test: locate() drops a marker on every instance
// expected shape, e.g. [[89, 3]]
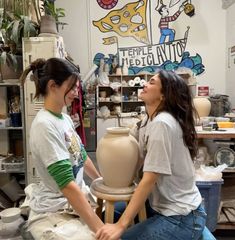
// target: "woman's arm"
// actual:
[[90, 169], [114, 231], [62, 173], [80, 204]]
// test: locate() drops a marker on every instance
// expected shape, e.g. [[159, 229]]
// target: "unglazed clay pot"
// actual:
[[117, 156], [202, 105], [48, 25]]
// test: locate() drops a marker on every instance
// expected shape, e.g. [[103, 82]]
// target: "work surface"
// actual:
[[223, 133]]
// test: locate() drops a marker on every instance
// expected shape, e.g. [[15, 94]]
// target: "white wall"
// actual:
[[207, 37], [230, 64], [75, 34]]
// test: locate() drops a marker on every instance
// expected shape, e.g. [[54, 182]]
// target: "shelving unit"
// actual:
[[12, 139], [123, 99], [124, 96]]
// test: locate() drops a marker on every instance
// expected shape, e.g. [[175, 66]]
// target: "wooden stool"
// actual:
[[102, 192]]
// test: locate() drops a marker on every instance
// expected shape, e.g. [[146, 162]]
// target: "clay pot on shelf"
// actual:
[[103, 94], [117, 157], [202, 105], [8, 71], [48, 25], [125, 69]]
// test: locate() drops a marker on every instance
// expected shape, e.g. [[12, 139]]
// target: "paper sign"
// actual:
[[203, 90]]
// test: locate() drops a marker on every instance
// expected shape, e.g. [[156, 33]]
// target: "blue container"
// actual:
[[16, 119], [210, 191]]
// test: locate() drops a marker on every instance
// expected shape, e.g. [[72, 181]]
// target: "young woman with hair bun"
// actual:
[[59, 155]]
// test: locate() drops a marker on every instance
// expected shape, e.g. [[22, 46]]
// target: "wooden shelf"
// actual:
[[106, 102], [229, 170], [132, 101], [12, 82], [132, 86], [11, 128], [227, 226]]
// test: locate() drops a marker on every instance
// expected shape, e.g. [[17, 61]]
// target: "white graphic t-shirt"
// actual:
[[165, 153], [53, 139]]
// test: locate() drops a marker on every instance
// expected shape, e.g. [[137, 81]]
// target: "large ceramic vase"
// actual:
[[202, 105], [117, 156]]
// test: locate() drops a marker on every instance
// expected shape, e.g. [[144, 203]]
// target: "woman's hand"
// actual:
[[110, 232]]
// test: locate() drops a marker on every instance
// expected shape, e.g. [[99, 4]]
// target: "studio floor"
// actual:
[[219, 234], [224, 234]]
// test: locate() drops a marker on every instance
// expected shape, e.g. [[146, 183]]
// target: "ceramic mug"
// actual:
[[103, 94]]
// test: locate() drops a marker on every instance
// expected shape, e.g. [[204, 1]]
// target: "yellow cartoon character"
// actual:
[[74, 147]]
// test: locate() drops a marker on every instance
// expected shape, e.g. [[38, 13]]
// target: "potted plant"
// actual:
[[14, 25], [50, 16]]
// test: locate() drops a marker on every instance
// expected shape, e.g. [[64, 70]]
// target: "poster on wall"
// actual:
[[144, 35], [231, 56]]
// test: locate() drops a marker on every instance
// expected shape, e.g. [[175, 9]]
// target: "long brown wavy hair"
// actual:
[[178, 102]]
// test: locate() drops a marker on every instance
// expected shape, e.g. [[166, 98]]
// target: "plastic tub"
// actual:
[[12, 189], [10, 215], [13, 164], [210, 191], [10, 222]]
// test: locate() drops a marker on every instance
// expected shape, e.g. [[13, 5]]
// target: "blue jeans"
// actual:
[[207, 235], [176, 227], [167, 32]]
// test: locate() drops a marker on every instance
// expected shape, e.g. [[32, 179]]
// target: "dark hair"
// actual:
[[160, 8], [177, 100], [56, 69]]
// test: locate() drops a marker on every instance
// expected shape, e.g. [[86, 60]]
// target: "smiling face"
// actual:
[[69, 91], [64, 94], [151, 93]]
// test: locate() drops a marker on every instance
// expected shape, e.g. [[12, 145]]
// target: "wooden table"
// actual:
[[224, 133]]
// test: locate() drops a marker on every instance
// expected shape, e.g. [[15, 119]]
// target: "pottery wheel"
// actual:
[[99, 185]]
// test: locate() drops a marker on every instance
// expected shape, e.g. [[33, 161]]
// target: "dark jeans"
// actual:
[[162, 227]]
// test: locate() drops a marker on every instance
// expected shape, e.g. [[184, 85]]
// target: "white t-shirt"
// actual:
[[53, 139], [164, 152]]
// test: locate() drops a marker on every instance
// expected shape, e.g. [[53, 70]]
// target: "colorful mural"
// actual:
[[164, 22], [131, 22], [107, 4]]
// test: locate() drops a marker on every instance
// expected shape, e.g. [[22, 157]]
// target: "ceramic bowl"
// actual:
[[116, 98], [10, 215]]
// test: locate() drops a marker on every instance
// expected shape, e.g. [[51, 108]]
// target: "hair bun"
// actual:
[[37, 64]]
